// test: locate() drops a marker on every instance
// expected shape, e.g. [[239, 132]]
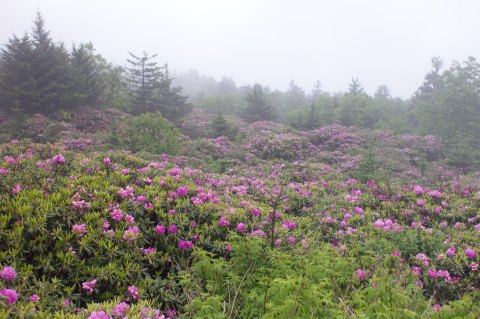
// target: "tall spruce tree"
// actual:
[[51, 71], [17, 81], [169, 100], [258, 109], [143, 77], [87, 69]]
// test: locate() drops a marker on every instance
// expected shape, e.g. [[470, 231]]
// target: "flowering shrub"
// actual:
[[91, 237]]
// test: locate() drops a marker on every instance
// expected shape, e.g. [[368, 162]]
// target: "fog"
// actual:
[[270, 42]]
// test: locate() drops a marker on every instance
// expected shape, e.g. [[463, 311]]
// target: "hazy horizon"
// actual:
[[269, 42]]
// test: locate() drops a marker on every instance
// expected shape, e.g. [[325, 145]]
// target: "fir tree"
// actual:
[[51, 71], [17, 82], [143, 78], [219, 126], [258, 109], [87, 74], [169, 100]]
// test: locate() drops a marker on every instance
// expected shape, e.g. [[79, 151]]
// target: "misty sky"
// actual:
[[269, 41]]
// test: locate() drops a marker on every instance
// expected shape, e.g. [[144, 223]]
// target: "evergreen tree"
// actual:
[[116, 93], [169, 100], [383, 93], [87, 70], [295, 96], [227, 86], [17, 82], [367, 166], [51, 71], [143, 78], [313, 118], [432, 82], [317, 90], [258, 109], [219, 126], [355, 88]]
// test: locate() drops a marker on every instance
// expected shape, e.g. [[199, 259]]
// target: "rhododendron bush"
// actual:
[[113, 235]]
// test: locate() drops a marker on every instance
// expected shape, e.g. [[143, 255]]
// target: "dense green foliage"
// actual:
[[275, 241]]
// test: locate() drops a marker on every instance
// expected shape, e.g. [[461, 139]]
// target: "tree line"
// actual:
[[38, 75]]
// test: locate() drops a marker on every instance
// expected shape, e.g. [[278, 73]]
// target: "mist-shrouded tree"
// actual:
[[36, 73], [116, 93], [143, 78], [51, 70], [227, 86], [168, 99], [355, 88], [452, 111], [295, 96], [317, 90], [17, 82], [152, 90], [219, 126], [87, 69], [258, 108], [432, 83], [383, 92]]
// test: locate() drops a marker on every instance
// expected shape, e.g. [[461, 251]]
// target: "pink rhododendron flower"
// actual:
[[451, 252], [131, 234], [127, 192], [473, 266], [172, 229], [432, 273], [8, 274], [223, 222], [418, 190], [174, 172], [435, 194], [133, 292], [396, 253], [9, 159], [241, 227], [58, 159], [79, 229], [360, 274], [436, 307], [358, 210], [149, 250], [160, 229], [129, 219], [89, 286], [121, 309], [185, 244], [17, 189], [182, 191], [470, 253], [291, 240], [417, 271], [117, 215], [10, 294]]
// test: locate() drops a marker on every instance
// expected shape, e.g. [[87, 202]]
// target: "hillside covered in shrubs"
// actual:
[[122, 197], [115, 235]]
